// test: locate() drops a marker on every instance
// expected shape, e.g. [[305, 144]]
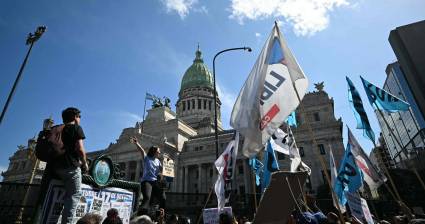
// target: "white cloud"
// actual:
[[305, 16], [257, 34], [182, 7]]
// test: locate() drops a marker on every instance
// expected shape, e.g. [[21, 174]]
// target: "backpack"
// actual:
[[49, 144]]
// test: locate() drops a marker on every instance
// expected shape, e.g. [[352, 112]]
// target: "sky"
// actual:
[[102, 56]]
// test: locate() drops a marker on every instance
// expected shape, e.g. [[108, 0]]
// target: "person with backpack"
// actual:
[[62, 148]]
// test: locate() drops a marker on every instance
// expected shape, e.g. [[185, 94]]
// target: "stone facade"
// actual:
[[318, 110], [187, 137], [24, 167]]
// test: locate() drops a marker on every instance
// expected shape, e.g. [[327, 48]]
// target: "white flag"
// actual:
[[225, 165], [268, 95], [285, 143], [334, 174], [371, 175]]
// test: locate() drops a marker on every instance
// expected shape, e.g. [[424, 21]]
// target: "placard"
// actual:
[[211, 215], [92, 200], [168, 167]]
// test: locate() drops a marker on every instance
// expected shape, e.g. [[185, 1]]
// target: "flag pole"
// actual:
[[399, 144], [144, 111], [322, 162]]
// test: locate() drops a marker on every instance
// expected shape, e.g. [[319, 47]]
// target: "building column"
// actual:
[[127, 171], [186, 178], [179, 179], [199, 177], [246, 175]]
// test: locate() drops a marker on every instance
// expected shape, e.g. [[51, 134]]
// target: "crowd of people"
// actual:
[[73, 162]]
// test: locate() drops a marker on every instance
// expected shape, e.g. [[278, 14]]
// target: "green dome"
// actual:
[[197, 75]]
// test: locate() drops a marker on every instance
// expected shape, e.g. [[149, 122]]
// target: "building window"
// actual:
[[322, 149], [209, 105], [205, 104], [301, 151], [197, 174], [193, 104], [240, 167], [188, 105], [132, 166], [211, 172], [241, 190], [199, 104], [316, 116], [24, 164], [184, 105], [280, 156], [201, 147]]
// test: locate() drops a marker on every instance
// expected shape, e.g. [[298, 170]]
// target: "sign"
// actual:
[[359, 207], [92, 200], [168, 167], [211, 215], [366, 212]]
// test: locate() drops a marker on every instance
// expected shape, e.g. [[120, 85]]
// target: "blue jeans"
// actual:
[[71, 178]]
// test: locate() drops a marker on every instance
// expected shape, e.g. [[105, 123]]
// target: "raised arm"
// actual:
[[139, 147]]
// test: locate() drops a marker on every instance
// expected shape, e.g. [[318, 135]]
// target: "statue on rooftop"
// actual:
[[319, 86]]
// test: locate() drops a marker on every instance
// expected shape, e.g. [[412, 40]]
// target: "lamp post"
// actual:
[[31, 39], [215, 93]]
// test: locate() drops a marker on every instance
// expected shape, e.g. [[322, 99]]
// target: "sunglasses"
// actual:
[[79, 116]]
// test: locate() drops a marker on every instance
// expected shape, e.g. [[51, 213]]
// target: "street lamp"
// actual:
[[31, 39], [215, 93]]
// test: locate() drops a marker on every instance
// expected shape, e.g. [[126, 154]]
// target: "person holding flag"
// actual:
[[274, 89]]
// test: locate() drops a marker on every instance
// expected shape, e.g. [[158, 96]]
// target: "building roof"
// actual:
[[197, 75]]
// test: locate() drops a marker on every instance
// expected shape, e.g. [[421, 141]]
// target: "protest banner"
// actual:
[[359, 207], [211, 215], [92, 200]]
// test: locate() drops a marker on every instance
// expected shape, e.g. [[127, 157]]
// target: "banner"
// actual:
[[349, 177], [383, 100], [269, 94], [371, 175], [359, 208], [333, 169], [212, 215], [92, 200], [356, 104], [225, 165]]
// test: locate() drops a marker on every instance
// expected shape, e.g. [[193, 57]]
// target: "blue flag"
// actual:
[[292, 119], [349, 177], [270, 165], [382, 100], [359, 112], [257, 166]]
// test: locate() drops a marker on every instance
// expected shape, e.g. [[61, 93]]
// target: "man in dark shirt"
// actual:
[[67, 168]]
